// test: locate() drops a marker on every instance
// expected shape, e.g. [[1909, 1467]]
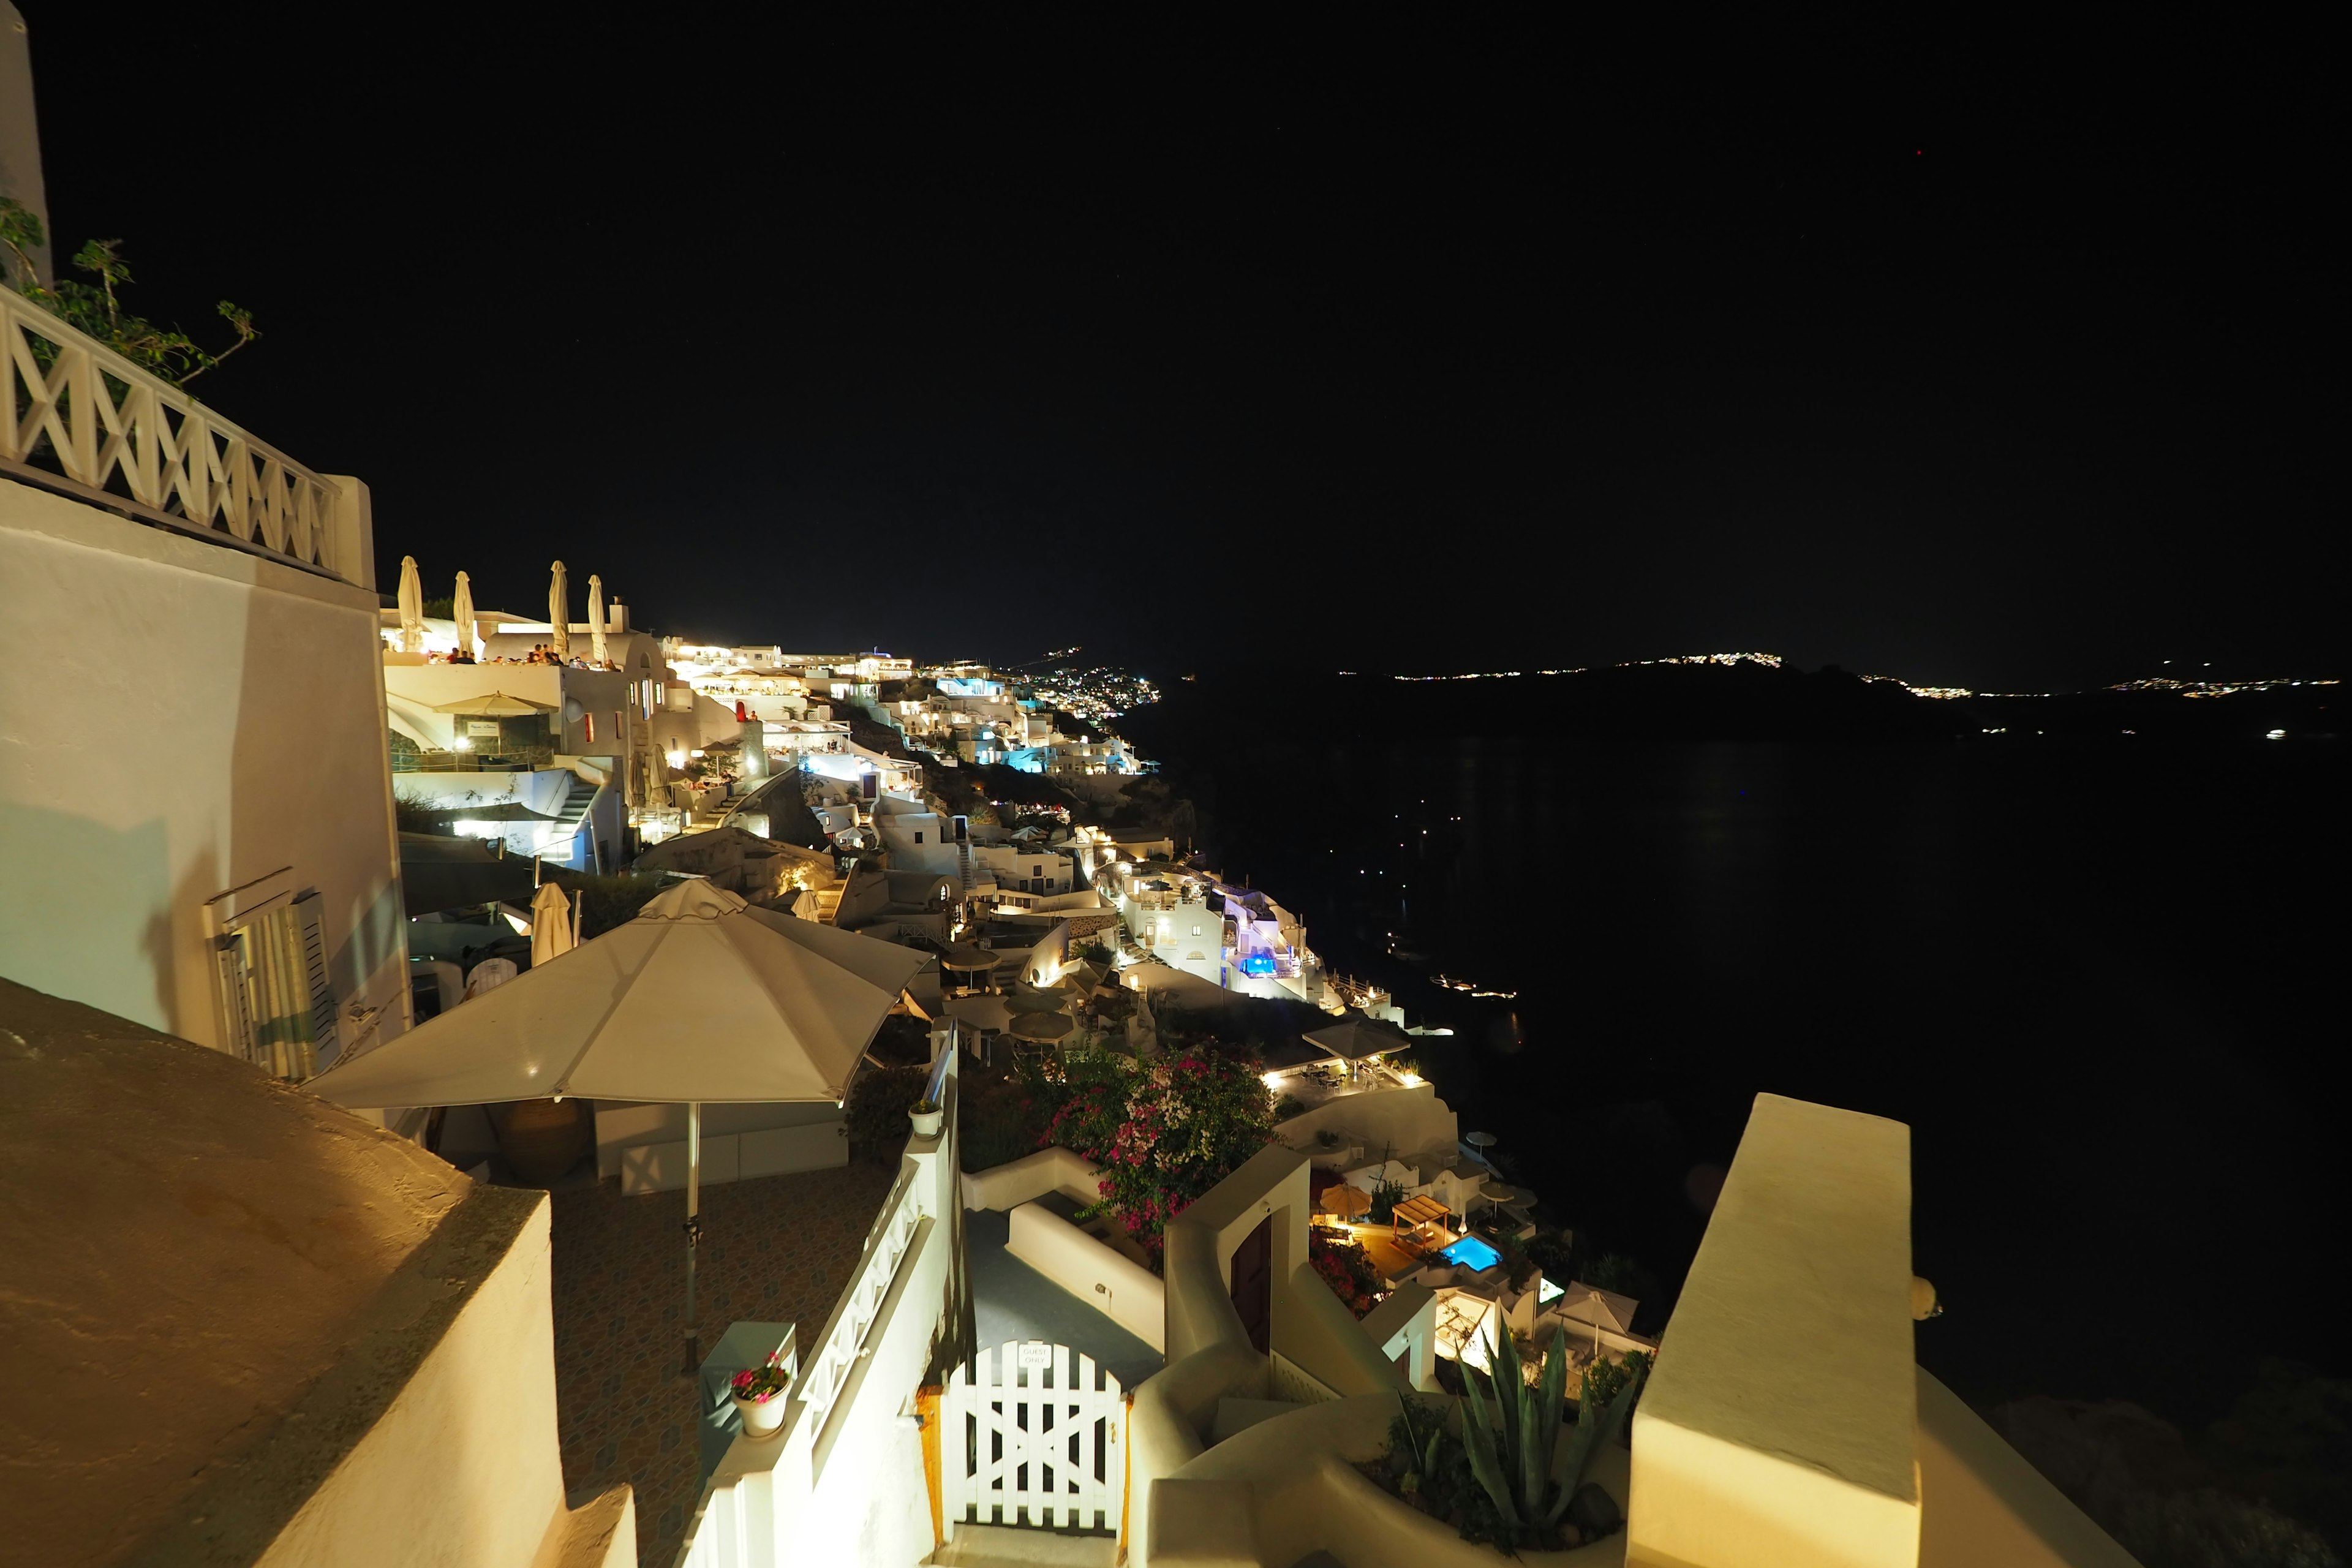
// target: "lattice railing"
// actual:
[[843, 1339], [77, 410]]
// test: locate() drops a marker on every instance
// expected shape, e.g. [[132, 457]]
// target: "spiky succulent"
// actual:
[[1510, 1431]]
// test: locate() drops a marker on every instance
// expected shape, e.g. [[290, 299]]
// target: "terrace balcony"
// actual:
[[88, 423]]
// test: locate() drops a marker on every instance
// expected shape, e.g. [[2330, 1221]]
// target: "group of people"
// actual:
[[540, 654]]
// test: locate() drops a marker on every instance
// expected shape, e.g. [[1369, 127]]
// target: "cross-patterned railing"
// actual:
[[76, 410], [844, 1339]]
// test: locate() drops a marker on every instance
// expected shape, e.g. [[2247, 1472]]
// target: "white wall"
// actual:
[[644, 1145], [183, 718], [853, 1489], [1108, 1280], [473, 1429], [1017, 1181], [1405, 1121]]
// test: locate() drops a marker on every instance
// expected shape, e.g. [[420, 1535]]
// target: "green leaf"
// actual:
[[1551, 1391], [1478, 1440]]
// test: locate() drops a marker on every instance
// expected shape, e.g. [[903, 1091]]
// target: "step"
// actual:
[[1241, 1414], [999, 1546]]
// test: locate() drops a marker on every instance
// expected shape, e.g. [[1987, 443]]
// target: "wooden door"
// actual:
[[1253, 1283]]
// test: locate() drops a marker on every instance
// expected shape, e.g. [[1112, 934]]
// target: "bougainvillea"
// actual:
[[1164, 1132], [1347, 1269]]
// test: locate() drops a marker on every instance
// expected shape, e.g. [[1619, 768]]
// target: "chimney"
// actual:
[[617, 617]]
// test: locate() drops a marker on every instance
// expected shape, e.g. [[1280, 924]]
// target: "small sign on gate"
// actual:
[[1035, 1354]]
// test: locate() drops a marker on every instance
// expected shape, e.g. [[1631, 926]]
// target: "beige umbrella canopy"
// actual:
[[412, 608], [550, 924], [701, 998], [461, 610], [1358, 1037], [1042, 1026], [596, 619], [559, 612], [1346, 1202], [495, 705]]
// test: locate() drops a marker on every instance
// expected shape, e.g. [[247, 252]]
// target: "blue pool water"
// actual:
[[1472, 1252]]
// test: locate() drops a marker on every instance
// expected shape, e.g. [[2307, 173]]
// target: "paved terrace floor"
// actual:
[[776, 1250]]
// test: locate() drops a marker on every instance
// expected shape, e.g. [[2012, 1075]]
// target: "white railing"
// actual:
[[155, 450], [837, 1349]]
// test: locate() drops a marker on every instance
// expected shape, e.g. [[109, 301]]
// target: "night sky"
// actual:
[[1386, 353]]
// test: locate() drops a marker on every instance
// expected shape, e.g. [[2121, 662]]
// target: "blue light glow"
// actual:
[[1472, 1252], [1258, 964]]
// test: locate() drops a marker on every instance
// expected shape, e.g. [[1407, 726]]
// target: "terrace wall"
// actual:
[[185, 718]]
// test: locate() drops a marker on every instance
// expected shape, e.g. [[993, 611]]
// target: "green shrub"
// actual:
[[879, 1099]]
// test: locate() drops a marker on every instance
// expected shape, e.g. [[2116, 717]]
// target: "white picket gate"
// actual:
[[1028, 1439]]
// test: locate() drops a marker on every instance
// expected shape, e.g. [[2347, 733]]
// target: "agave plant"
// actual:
[[1510, 1431]]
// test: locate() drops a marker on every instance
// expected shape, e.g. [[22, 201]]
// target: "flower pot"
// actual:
[[762, 1417], [927, 1122]]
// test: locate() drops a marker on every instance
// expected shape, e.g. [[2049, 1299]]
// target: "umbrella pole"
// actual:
[[693, 1227]]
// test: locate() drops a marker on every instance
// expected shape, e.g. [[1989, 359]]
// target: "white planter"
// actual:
[[927, 1122], [762, 1417]]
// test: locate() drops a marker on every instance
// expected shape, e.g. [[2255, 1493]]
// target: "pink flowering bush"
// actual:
[[1164, 1132]]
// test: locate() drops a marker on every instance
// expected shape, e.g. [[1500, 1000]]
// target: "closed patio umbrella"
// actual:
[[550, 924], [596, 619], [700, 998], [461, 610], [412, 608], [559, 612]]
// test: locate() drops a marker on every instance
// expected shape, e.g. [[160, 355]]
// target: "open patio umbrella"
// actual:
[[412, 608], [968, 960], [596, 619], [1045, 1027], [496, 703], [550, 925], [1358, 1037], [461, 610], [700, 998], [1346, 1202], [559, 612]]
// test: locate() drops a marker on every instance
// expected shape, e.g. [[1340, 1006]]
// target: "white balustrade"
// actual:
[[113, 430], [853, 1314]]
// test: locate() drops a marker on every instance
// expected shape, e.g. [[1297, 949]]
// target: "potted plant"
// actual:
[[927, 1116], [759, 1393]]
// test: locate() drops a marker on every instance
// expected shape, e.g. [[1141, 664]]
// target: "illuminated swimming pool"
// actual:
[[1471, 1253]]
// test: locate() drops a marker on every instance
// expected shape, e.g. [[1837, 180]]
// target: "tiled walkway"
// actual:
[[777, 1249]]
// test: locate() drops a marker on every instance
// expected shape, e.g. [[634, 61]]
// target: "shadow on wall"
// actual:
[[310, 785], [118, 885]]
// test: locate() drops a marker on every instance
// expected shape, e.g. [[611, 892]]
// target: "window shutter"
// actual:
[[324, 1039], [236, 1017]]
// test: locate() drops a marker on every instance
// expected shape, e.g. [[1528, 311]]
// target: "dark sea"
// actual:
[[2101, 980]]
